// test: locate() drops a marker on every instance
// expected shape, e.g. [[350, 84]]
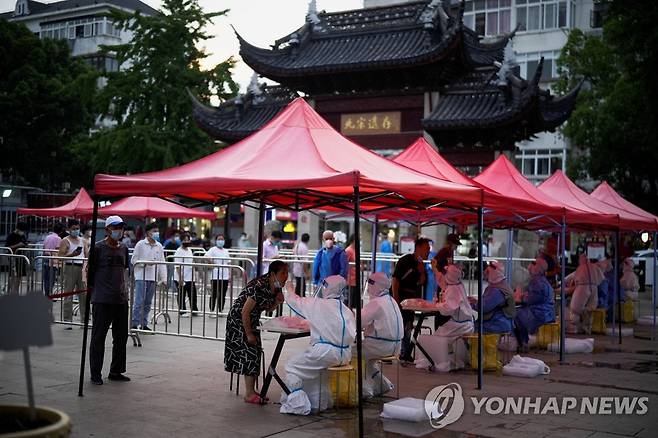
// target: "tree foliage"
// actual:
[[46, 100], [148, 98], [616, 118]]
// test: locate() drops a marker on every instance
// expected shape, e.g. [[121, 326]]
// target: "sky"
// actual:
[[260, 22]]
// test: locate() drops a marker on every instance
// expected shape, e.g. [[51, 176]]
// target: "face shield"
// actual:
[[332, 287], [378, 284]]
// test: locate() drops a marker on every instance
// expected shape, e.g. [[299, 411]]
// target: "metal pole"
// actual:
[[563, 275], [617, 288], [91, 273], [359, 344], [373, 261], [28, 380], [261, 232], [510, 253], [653, 288], [227, 225], [480, 272]]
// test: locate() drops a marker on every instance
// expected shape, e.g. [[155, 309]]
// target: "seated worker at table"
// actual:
[[630, 284], [583, 284], [383, 329], [606, 287], [455, 305], [243, 348], [498, 307], [538, 306], [408, 280], [333, 329]]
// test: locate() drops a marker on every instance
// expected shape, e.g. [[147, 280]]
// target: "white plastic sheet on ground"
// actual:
[[572, 345], [525, 367]]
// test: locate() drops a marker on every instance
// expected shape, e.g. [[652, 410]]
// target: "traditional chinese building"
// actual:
[[384, 76]]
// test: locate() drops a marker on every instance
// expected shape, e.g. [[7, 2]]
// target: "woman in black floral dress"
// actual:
[[243, 347]]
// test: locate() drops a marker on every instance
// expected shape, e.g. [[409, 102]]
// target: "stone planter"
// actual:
[[51, 422]]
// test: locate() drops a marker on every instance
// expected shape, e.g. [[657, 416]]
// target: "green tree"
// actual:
[[616, 117], [148, 99], [46, 99]]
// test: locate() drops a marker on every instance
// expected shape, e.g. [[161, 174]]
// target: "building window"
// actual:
[[488, 18], [529, 62], [83, 28], [103, 63], [534, 15], [539, 164]]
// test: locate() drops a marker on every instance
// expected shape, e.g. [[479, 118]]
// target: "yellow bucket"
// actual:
[[547, 334], [490, 360], [598, 321], [343, 387], [628, 311]]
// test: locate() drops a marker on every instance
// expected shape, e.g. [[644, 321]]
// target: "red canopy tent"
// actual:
[[81, 206], [608, 195], [559, 186], [140, 206], [515, 210]]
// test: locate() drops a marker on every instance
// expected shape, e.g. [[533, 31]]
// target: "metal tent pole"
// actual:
[[510, 253], [480, 272], [563, 274], [617, 288], [261, 232], [359, 344], [91, 273], [375, 227], [653, 288]]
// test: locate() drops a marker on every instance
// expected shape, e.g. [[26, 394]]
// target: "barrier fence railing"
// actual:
[[14, 274]]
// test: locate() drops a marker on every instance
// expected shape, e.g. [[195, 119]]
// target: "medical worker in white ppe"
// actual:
[[333, 329], [583, 284], [383, 329], [453, 303]]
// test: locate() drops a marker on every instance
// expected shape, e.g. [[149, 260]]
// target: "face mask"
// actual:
[[116, 235], [75, 233], [220, 244], [328, 243], [155, 235], [186, 244], [276, 243]]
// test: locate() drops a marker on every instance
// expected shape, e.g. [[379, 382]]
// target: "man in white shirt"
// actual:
[[71, 247], [271, 249], [300, 270], [219, 255], [185, 276], [146, 275]]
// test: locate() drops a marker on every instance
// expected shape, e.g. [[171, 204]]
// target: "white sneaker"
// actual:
[[184, 315], [212, 315]]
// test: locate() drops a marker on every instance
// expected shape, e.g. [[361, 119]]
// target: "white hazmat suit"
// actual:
[[383, 328], [585, 282], [453, 303], [333, 329], [629, 282]]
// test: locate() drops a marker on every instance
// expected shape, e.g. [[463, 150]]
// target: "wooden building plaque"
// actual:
[[370, 123]]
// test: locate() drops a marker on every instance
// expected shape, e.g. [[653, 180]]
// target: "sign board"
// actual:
[[15, 332], [407, 245], [595, 251], [370, 123]]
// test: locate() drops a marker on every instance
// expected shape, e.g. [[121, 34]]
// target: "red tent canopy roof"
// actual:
[[297, 160], [140, 206], [604, 192], [81, 206], [559, 186], [421, 156]]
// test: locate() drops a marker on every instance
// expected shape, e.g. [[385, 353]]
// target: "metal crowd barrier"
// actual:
[[14, 274], [170, 314]]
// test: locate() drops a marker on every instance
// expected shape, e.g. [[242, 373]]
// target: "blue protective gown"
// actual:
[[493, 299], [538, 308]]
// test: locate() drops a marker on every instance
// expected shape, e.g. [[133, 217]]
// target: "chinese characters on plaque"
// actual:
[[370, 123]]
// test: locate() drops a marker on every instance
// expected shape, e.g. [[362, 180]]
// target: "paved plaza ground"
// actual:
[[179, 389]]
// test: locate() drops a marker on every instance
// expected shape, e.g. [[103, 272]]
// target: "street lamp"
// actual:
[[645, 237], [6, 193]]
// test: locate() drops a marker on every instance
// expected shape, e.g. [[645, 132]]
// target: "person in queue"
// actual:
[[184, 276], [147, 276], [537, 304], [243, 348], [71, 248], [301, 270], [498, 306], [383, 330], [219, 255], [607, 286], [454, 305], [409, 277], [583, 284], [333, 328], [110, 303], [330, 260]]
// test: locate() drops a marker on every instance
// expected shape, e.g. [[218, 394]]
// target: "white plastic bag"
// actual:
[[572, 345], [525, 367], [405, 409]]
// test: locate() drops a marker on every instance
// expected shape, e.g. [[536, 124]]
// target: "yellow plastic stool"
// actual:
[[491, 360], [391, 359], [547, 334], [598, 321], [628, 311], [344, 393]]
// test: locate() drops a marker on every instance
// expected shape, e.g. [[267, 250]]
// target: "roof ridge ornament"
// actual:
[[254, 86], [312, 15], [434, 8], [506, 68]]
